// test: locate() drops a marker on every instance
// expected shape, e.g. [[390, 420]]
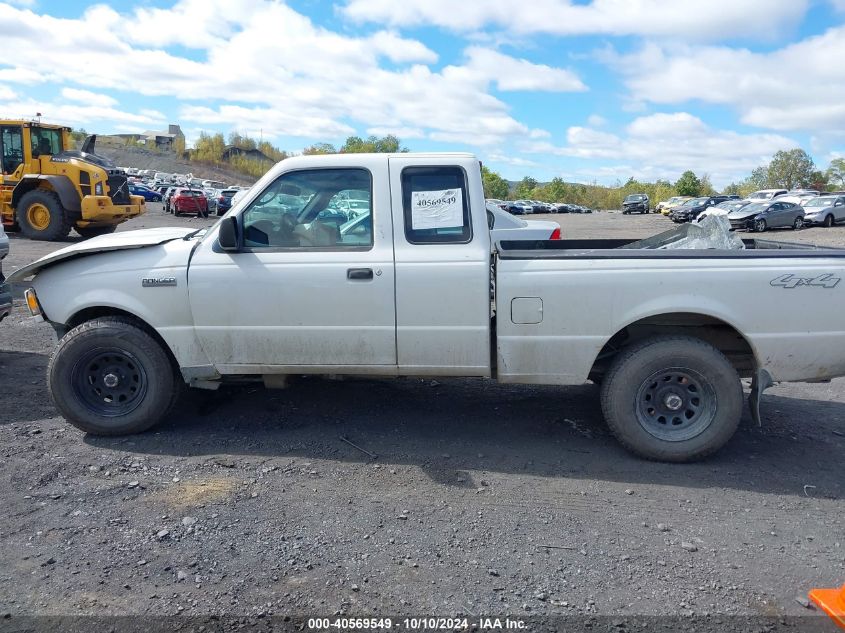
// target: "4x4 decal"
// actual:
[[790, 281]]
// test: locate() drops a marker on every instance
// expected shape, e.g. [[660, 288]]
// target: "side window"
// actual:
[[317, 208], [11, 139], [436, 205]]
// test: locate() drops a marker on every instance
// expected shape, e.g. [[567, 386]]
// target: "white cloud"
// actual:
[[7, 94], [276, 70], [510, 73], [665, 145], [88, 97], [695, 19], [73, 114], [798, 87], [595, 120]]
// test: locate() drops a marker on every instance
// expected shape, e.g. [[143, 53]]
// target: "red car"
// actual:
[[189, 201]]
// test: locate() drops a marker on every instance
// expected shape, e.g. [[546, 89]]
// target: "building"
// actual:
[[162, 140]]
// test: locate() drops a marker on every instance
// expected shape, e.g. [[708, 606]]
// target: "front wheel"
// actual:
[[110, 377], [42, 217], [828, 221], [760, 226], [674, 399], [798, 223]]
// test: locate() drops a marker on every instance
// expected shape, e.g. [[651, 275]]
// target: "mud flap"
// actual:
[[761, 381]]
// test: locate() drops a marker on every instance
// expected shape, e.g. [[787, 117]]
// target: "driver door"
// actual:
[[306, 292]]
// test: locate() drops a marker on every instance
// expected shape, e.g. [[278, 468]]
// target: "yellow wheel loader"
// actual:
[[47, 188]]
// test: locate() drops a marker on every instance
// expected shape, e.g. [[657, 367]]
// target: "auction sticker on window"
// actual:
[[437, 209]]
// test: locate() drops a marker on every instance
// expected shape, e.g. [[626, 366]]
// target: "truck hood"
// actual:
[[104, 243]]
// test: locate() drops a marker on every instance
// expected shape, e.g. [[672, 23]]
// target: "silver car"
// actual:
[[761, 216], [824, 210], [5, 292]]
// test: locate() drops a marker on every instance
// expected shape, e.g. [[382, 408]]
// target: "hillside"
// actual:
[[142, 158]]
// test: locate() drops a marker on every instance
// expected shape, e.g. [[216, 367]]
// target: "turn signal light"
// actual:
[[32, 302]]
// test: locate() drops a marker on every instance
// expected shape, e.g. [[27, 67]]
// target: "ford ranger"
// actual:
[[278, 287]]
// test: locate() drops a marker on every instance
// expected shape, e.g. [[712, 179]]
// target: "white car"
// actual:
[[5, 293], [766, 194], [272, 291], [723, 208], [825, 210]]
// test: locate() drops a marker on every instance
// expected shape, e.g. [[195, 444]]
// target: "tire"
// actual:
[[112, 349], [94, 231], [828, 221], [798, 223], [760, 226], [696, 410], [42, 217]]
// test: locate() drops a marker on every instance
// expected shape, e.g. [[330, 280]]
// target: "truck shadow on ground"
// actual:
[[456, 426], [24, 397]]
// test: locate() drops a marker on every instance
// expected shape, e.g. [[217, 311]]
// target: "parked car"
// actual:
[[504, 226], [766, 194], [224, 200], [142, 190], [636, 202], [211, 196], [824, 210], [692, 208], [5, 291], [189, 201], [723, 208], [761, 216], [526, 206], [666, 206], [168, 198]]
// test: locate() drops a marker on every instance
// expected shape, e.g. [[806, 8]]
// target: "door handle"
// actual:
[[359, 273]]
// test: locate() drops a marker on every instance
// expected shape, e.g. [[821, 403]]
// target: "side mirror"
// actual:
[[228, 235]]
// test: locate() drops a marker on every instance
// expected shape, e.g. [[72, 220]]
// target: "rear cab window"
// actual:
[[436, 205]]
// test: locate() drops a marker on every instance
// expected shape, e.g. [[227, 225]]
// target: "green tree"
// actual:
[[494, 185], [688, 184], [372, 145], [836, 172], [526, 187], [556, 191], [179, 146], [320, 148], [732, 189], [790, 169]]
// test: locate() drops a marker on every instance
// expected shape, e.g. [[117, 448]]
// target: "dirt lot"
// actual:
[[482, 499]]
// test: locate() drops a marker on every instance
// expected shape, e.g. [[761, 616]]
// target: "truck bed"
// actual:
[[621, 249]]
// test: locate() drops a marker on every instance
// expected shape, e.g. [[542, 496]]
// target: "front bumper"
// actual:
[[100, 210], [814, 219], [634, 207], [744, 223]]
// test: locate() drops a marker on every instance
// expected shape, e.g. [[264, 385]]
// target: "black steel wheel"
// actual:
[[672, 398], [111, 377]]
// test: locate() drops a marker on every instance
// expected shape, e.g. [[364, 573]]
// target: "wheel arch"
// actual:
[[96, 312], [716, 331], [60, 185]]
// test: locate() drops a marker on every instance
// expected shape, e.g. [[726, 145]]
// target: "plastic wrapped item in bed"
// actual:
[[713, 232]]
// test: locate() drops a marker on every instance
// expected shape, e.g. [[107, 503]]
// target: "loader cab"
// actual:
[[12, 154], [45, 141]]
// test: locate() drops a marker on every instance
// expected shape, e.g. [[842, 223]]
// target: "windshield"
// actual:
[[695, 202], [635, 198], [755, 207], [732, 205], [820, 202], [763, 195], [45, 142]]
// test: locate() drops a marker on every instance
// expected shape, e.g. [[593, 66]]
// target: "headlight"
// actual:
[[98, 189]]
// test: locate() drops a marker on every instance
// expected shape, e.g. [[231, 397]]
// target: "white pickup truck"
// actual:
[[278, 287]]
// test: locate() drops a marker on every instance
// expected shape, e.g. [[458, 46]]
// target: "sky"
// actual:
[[587, 90]]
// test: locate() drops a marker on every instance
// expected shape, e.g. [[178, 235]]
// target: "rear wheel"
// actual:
[[760, 225], [798, 223], [42, 217], [828, 221], [94, 231], [673, 399], [110, 377]]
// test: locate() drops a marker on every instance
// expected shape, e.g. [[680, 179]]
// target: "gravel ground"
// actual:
[[478, 499]]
